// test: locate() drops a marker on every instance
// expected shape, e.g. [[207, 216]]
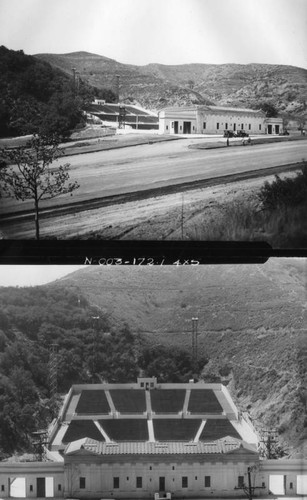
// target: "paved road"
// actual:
[[108, 173]]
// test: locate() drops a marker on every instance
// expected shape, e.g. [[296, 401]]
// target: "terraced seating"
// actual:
[[175, 429], [79, 429], [167, 400], [129, 401], [93, 402], [204, 401], [218, 429], [135, 111], [126, 429]]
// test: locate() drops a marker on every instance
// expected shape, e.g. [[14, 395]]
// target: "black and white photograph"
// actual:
[[153, 382], [154, 120]]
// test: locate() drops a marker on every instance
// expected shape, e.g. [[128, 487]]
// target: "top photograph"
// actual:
[[154, 120]]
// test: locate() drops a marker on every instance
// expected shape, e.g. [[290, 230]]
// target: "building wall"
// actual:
[[215, 122], [31, 471], [98, 478]]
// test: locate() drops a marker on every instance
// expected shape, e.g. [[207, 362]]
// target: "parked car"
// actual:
[[242, 133], [229, 133]]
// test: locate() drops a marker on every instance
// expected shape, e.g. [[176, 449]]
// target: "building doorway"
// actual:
[[40, 487], [17, 487], [186, 127], [277, 484], [175, 127], [276, 129], [301, 484], [269, 129], [161, 483]]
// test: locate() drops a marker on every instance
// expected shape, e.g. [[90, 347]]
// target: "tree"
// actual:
[[269, 109], [26, 172]]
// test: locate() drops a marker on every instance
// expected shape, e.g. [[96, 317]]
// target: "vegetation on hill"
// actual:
[[276, 213], [89, 350], [38, 98]]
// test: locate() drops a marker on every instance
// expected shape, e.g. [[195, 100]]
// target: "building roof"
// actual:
[[224, 446], [214, 109]]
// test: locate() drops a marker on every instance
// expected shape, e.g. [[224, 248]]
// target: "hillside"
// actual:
[[250, 326], [38, 97], [250, 329], [157, 85]]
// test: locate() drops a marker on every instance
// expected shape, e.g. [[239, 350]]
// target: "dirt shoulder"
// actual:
[[173, 216]]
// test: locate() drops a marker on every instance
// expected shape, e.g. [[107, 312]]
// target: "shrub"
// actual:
[[288, 192]]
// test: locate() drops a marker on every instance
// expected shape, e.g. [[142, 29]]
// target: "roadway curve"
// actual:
[[157, 166]]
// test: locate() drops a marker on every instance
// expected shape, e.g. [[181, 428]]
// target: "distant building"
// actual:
[[200, 119]]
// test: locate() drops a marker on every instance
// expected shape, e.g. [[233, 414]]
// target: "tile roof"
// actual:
[[154, 448]]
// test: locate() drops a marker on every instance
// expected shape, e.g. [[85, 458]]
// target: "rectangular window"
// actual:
[[217, 126], [180, 127], [242, 126], [291, 486], [166, 127], [249, 126], [31, 487], [139, 482], [204, 125], [59, 487], [82, 483], [115, 482], [240, 481], [184, 482], [142, 384], [172, 124], [226, 126], [259, 126], [207, 481], [2, 487]]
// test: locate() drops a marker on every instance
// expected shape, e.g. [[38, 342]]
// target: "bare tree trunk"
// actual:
[[36, 217]]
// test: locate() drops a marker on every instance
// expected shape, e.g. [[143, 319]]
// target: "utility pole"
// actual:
[[95, 344], [194, 342], [182, 215], [53, 369], [74, 81], [269, 441], [117, 88]]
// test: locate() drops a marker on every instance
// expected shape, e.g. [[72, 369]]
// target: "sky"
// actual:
[[161, 31], [33, 275]]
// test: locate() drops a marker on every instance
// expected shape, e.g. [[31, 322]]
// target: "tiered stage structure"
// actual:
[[123, 115], [141, 439]]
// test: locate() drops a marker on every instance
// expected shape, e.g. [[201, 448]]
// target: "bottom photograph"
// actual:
[[153, 382]]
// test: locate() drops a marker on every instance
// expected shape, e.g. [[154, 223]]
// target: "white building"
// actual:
[[145, 439], [200, 119], [135, 440]]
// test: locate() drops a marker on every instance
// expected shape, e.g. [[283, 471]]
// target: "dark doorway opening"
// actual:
[[161, 483], [234, 127], [269, 129], [176, 127], [40, 487], [276, 129], [186, 127]]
